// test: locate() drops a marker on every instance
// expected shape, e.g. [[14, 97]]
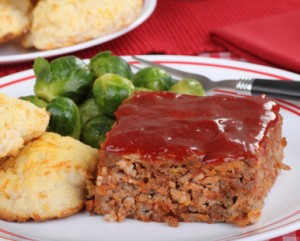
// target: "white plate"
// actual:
[[280, 215], [13, 52]]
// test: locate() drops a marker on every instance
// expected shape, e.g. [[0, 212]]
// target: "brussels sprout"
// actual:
[[141, 89], [94, 130], [152, 78], [188, 86], [105, 62], [66, 76], [65, 118], [35, 100], [89, 109], [109, 91]]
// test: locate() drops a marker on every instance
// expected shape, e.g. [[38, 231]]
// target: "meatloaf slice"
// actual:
[[173, 158]]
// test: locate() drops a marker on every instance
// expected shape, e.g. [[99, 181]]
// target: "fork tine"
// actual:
[[202, 79], [166, 68], [136, 67]]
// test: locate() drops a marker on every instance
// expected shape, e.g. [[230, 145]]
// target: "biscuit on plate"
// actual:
[[14, 18], [20, 122], [50, 178], [57, 24]]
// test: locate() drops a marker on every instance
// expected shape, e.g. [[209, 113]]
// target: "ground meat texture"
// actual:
[[190, 190]]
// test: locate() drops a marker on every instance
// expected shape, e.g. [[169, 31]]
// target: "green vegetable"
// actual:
[[94, 130], [141, 89], [89, 109], [65, 118], [105, 62], [188, 86], [35, 100], [66, 76], [109, 91], [152, 78]]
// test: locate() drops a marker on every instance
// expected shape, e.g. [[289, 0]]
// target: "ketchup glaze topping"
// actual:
[[158, 125]]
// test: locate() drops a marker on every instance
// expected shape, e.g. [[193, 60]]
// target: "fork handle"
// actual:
[[271, 88]]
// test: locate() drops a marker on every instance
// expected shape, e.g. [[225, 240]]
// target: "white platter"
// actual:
[[280, 215], [13, 52]]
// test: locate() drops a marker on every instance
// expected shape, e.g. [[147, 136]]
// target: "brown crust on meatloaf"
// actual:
[[189, 191]]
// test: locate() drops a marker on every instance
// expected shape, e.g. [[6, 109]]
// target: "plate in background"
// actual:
[[13, 52]]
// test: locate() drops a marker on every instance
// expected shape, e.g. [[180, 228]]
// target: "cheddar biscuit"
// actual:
[[50, 178], [20, 122], [14, 18], [63, 23]]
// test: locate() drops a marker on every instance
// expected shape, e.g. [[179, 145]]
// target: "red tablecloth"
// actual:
[[182, 27]]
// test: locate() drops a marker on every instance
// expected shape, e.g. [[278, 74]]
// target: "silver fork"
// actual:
[[245, 86]]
